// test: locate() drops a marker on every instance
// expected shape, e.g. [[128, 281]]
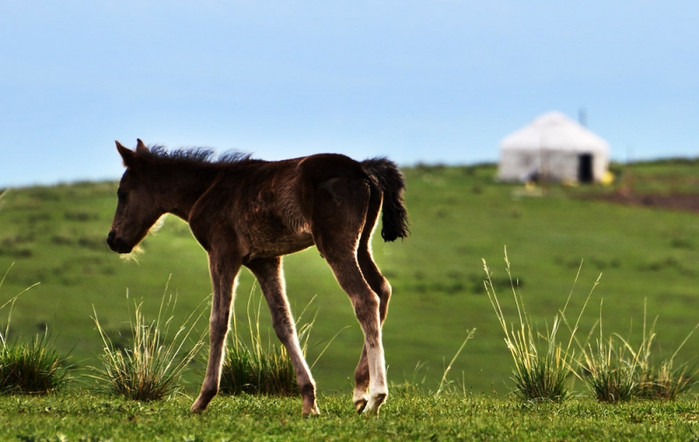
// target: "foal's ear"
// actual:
[[127, 154], [140, 147]]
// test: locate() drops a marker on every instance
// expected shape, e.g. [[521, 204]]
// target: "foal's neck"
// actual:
[[185, 186]]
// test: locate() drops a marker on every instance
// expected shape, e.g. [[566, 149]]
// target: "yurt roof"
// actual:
[[554, 131]]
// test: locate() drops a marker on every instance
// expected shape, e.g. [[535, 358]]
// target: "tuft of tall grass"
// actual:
[[259, 368], [608, 372], [542, 365], [617, 371], [150, 368], [665, 380], [33, 368]]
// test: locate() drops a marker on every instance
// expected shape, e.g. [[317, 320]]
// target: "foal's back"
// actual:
[[271, 207]]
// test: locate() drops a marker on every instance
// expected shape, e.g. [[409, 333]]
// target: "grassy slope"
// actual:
[[405, 416], [458, 215]]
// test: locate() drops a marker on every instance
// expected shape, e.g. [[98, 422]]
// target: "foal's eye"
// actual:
[[121, 195]]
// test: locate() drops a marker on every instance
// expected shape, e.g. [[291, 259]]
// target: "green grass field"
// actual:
[[406, 416], [459, 215]]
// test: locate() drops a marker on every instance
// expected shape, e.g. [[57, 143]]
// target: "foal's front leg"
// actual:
[[223, 278], [270, 276]]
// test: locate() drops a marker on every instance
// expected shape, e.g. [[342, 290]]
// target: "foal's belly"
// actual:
[[281, 245]]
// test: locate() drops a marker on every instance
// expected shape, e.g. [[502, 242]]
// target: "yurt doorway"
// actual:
[[585, 172]]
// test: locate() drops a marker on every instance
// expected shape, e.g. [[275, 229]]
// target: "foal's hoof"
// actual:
[[310, 410], [198, 406], [359, 405], [375, 402]]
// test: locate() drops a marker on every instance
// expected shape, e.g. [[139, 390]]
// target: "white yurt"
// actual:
[[555, 148]]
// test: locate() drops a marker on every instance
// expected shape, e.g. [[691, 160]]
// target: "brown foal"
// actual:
[[247, 212]]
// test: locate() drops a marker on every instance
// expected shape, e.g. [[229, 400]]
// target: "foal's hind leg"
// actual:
[[270, 276], [382, 288], [379, 285], [366, 305], [343, 211]]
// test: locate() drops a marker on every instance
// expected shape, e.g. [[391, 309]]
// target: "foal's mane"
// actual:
[[192, 156]]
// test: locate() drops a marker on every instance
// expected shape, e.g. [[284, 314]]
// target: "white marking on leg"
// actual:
[[378, 390]]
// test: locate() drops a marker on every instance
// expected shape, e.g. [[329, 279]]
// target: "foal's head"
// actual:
[[137, 209]]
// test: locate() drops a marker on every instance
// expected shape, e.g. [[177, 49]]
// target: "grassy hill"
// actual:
[[459, 215]]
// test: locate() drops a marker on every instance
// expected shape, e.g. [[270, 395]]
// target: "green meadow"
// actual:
[[55, 236], [405, 416]]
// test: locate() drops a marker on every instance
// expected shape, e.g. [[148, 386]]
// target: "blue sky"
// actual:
[[419, 81]]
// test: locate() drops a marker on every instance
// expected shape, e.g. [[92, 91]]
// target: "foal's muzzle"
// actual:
[[117, 244]]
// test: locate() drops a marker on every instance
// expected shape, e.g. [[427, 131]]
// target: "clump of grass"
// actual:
[[617, 371], [542, 365], [665, 380], [259, 368], [32, 368], [150, 368], [609, 373]]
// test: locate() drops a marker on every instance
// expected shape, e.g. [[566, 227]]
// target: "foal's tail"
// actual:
[[390, 181]]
